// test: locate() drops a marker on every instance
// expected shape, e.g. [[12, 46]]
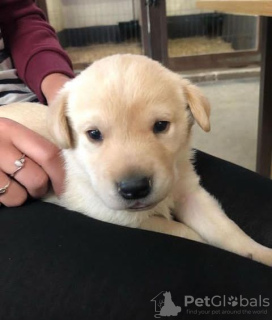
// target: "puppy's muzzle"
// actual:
[[134, 187]]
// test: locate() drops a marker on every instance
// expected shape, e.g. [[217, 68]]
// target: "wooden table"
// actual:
[[263, 9], [252, 7]]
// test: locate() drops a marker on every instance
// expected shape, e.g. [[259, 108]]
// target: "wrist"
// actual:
[[51, 85]]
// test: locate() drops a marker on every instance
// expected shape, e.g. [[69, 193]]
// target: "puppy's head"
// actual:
[[127, 120]]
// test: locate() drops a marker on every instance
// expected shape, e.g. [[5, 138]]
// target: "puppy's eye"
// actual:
[[160, 126], [95, 135]]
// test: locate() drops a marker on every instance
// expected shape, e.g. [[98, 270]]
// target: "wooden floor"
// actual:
[[83, 56]]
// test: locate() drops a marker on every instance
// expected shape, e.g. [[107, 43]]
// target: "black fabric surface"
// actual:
[[245, 196], [57, 264]]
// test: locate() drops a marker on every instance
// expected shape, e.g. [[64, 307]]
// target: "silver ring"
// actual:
[[19, 164], [5, 188]]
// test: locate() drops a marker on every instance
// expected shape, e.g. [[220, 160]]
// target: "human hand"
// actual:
[[42, 163], [51, 85]]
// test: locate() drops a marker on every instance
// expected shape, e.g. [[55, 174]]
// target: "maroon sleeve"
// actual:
[[33, 43]]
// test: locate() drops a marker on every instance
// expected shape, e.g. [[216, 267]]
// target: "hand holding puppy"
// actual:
[[40, 164], [40, 158]]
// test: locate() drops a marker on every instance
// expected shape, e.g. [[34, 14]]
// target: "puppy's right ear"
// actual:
[[58, 122]]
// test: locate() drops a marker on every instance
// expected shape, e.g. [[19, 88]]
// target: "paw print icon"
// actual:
[[233, 301]]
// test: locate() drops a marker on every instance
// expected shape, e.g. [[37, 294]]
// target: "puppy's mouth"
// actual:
[[139, 206]]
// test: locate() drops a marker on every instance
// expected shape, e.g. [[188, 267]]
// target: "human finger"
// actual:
[[12, 194], [29, 174], [41, 151]]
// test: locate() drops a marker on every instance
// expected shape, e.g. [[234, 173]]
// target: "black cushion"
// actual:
[[58, 264]]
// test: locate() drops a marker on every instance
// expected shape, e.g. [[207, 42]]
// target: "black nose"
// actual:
[[134, 187]]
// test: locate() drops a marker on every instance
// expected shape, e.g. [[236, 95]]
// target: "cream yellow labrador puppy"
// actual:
[[124, 125]]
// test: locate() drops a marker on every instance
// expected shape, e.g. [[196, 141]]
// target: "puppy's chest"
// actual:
[[164, 209]]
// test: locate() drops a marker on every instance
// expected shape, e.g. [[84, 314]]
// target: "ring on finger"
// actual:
[[4, 189], [19, 163]]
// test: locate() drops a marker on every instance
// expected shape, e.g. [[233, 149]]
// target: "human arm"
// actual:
[[33, 44], [44, 67]]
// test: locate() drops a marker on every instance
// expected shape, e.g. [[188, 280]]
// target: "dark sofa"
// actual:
[[61, 265]]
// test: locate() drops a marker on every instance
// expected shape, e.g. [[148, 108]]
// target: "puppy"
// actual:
[[124, 127]]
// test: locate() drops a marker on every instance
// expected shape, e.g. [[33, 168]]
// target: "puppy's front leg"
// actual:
[[174, 228], [201, 212]]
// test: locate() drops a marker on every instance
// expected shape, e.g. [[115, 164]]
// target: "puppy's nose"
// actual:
[[134, 187]]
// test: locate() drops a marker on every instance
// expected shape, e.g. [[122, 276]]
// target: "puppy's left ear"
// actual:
[[198, 104]]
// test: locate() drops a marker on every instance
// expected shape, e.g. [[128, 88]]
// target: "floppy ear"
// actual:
[[198, 104], [58, 122]]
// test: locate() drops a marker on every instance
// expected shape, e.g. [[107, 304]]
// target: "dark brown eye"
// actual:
[[95, 135], [160, 126]]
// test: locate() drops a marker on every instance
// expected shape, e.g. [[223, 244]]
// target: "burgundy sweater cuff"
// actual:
[[41, 65]]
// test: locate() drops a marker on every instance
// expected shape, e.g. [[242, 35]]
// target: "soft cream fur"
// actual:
[[123, 96]]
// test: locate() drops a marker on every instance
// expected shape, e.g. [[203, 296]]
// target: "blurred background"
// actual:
[[219, 51]]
